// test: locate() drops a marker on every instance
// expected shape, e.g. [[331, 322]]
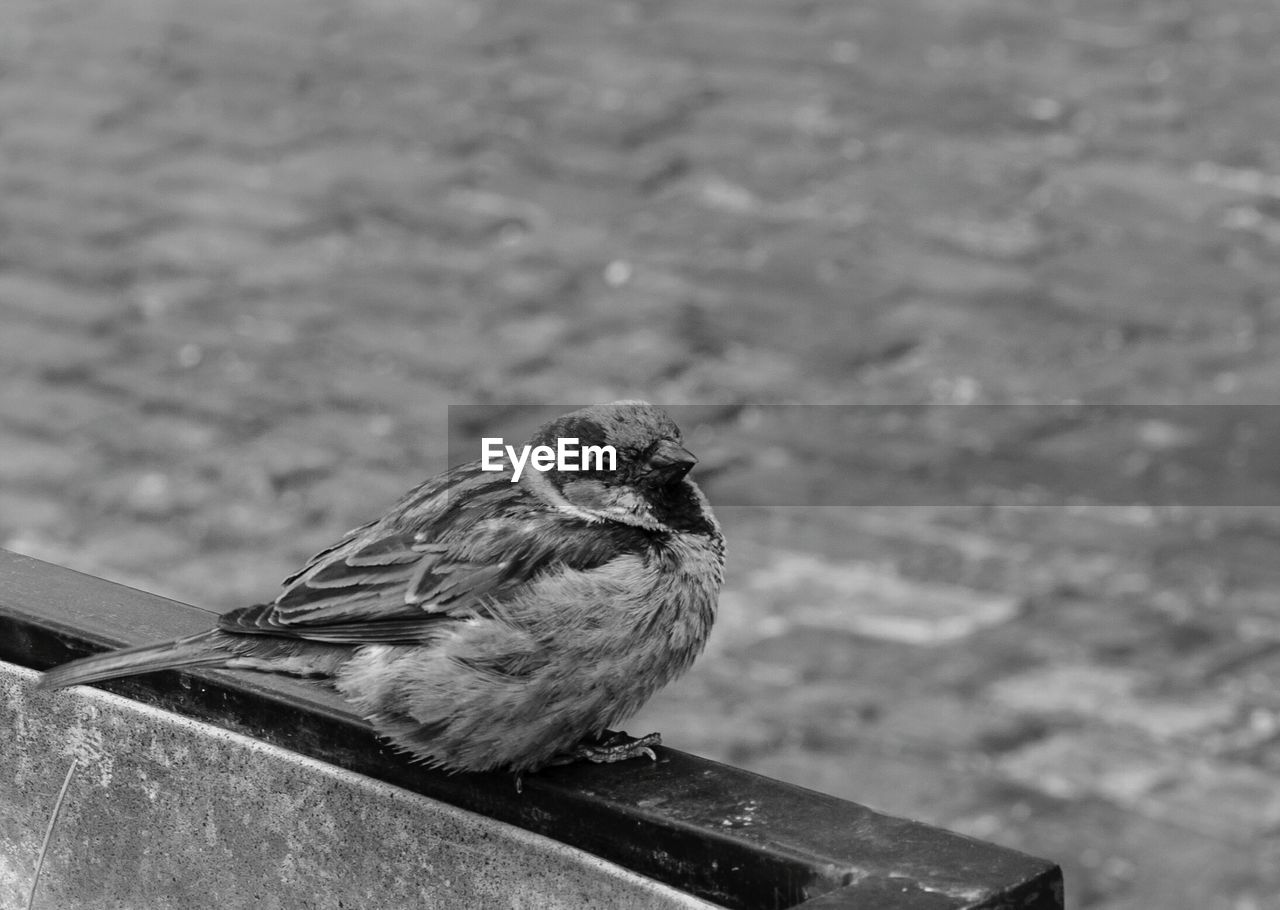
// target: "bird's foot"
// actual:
[[611, 747]]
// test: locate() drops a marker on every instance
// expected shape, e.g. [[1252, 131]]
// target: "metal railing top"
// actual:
[[678, 820]]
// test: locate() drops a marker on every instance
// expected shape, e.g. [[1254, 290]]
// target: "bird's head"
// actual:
[[631, 460]]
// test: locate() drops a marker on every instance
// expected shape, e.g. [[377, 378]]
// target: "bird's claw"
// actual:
[[610, 748]]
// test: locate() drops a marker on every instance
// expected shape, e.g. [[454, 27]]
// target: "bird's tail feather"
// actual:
[[201, 650]]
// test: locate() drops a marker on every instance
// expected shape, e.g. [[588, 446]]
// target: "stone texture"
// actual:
[[163, 811]]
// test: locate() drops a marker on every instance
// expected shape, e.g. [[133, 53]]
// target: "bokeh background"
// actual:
[[250, 252]]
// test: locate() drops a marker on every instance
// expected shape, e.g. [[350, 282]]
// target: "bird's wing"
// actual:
[[454, 547]]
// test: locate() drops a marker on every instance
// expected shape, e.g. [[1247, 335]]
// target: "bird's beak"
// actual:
[[671, 461]]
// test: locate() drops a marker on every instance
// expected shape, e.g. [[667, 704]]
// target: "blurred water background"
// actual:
[[251, 252]]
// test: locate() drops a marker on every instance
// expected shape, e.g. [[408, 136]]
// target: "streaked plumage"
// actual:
[[482, 623]]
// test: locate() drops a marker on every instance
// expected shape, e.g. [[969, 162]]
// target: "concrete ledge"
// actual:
[[165, 811], [706, 829]]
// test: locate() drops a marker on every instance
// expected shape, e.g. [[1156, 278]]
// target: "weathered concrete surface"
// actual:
[[163, 811]]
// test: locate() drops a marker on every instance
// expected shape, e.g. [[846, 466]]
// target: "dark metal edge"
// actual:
[[721, 833]]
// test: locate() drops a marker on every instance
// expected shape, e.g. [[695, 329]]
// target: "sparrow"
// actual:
[[487, 622]]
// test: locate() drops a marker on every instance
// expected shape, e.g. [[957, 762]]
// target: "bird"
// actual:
[[487, 622]]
